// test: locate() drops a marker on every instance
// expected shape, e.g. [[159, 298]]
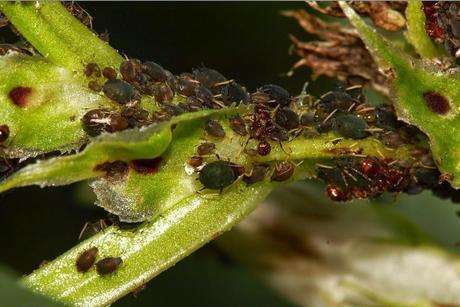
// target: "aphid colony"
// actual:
[[105, 266]]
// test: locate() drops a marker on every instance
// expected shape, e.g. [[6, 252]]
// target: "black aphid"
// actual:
[[119, 91], [108, 265], [213, 128], [86, 259], [217, 175]]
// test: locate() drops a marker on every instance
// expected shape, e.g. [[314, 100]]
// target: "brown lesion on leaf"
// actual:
[[340, 54], [115, 172], [146, 166]]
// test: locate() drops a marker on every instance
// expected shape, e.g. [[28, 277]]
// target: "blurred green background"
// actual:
[[247, 41]]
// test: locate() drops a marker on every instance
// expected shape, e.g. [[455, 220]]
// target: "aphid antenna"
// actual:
[[223, 83], [349, 174], [374, 130], [220, 104], [324, 166], [351, 107], [363, 110], [324, 95], [360, 174], [382, 156], [392, 162], [80, 235], [353, 87], [336, 140], [217, 96], [330, 115]]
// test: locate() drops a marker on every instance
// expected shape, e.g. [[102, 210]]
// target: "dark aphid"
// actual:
[[154, 71], [238, 125], [283, 171], [370, 167], [4, 133], [109, 73], [19, 95], [108, 265], [146, 166], [171, 109], [92, 69], [193, 104], [259, 98], [287, 118], [351, 126], [278, 95], [205, 148], [95, 121], [208, 77], [336, 100], [186, 86], [195, 161], [392, 139], [95, 86], [307, 119], [114, 171], [264, 148], [436, 102], [234, 93], [129, 69], [213, 128], [332, 175], [117, 123], [335, 193], [258, 173], [310, 133], [119, 91], [205, 96], [217, 175], [277, 134], [86, 259], [427, 177], [163, 92], [136, 116], [413, 188], [385, 118]]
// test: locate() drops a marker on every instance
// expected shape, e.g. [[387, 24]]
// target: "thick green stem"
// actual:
[[58, 36]]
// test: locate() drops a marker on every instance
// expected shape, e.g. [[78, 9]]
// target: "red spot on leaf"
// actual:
[[437, 102], [146, 166], [19, 95]]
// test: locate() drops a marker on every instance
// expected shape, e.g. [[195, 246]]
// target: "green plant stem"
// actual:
[[58, 36]]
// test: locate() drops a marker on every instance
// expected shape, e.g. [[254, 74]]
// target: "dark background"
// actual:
[[247, 41]]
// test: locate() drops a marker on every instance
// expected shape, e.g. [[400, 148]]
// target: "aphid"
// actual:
[[154, 71], [205, 148], [119, 91], [92, 69], [213, 128], [278, 95], [95, 86], [413, 188], [238, 125], [171, 109], [135, 116], [234, 93], [195, 161], [185, 86], [129, 69], [4, 133], [283, 171], [370, 167], [208, 77], [205, 96], [332, 175], [109, 73], [108, 265], [427, 177], [259, 98], [436, 102], [385, 118], [310, 133], [86, 259], [335, 100], [257, 173], [19, 95], [217, 175], [250, 152], [193, 104], [392, 139], [335, 193], [287, 118], [307, 119], [351, 126], [264, 148], [261, 122], [146, 166], [95, 121], [163, 92]]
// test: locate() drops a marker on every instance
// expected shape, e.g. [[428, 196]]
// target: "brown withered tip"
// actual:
[[437, 103], [19, 95]]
